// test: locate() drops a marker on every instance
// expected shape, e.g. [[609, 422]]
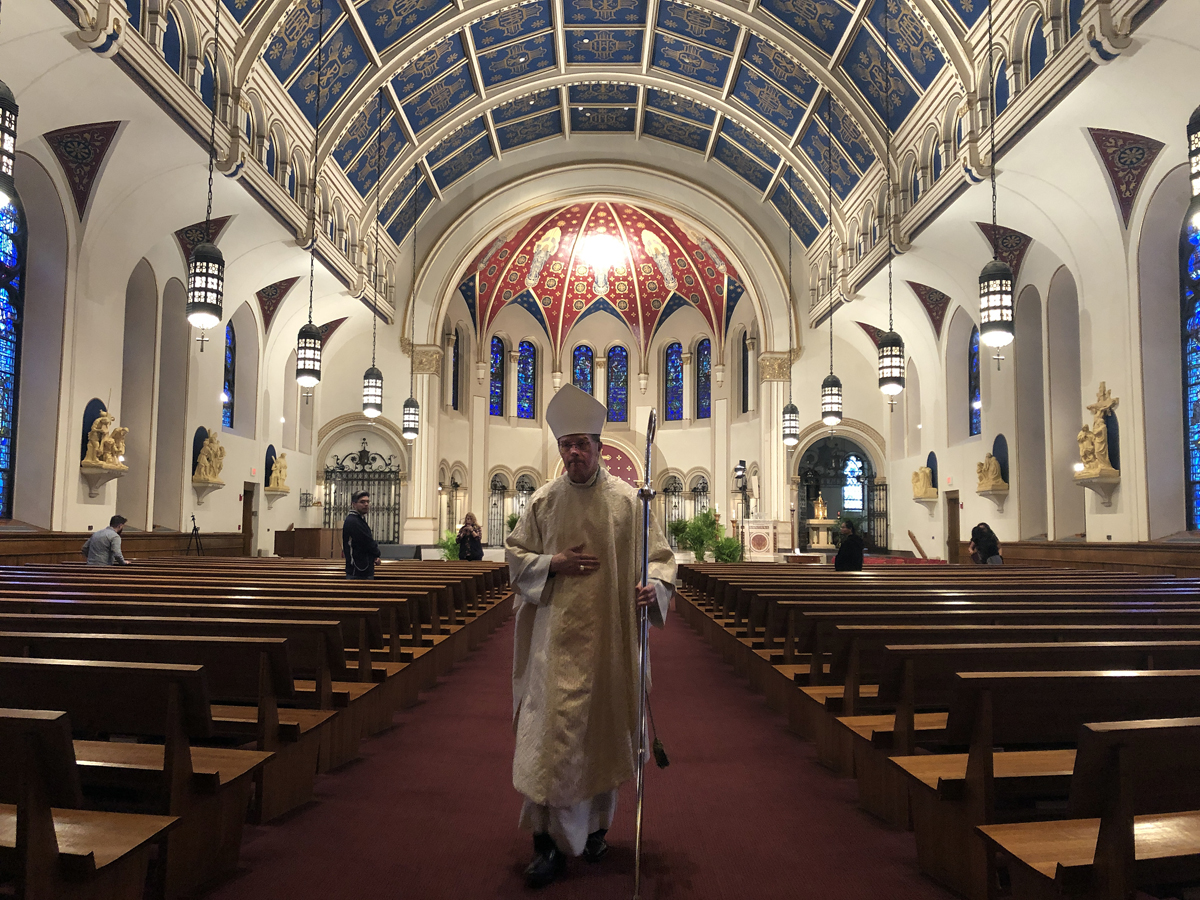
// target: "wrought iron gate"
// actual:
[[877, 513], [673, 511], [365, 470], [496, 513]]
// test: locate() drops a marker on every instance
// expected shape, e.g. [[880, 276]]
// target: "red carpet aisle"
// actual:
[[430, 812]]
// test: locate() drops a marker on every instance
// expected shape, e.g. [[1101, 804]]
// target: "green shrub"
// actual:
[[727, 550], [449, 545], [701, 533], [512, 520], [677, 529]]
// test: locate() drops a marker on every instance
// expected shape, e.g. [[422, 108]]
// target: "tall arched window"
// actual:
[[974, 401], [1189, 259], [618, 384], [581, 368], [271, 157], [745, 372], [12, 290], [852, 489], [455, 371], [526, 380], [673, 359], [704, 379], [230, 380], [1001, 87], [172, 44], [208, 83], [496, 388], [1037, 49]]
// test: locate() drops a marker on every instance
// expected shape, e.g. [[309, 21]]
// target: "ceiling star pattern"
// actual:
[[809, 82], [637, 265]]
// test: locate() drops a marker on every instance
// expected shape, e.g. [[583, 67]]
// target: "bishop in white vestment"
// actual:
[[575, 563]]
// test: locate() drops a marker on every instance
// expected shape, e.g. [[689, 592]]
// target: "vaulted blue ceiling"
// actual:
[[782, 95]]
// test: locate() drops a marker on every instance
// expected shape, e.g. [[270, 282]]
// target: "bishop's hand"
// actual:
[[646, 596], [573, 561]]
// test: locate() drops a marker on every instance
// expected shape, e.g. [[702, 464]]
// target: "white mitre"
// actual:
[[573, 411]]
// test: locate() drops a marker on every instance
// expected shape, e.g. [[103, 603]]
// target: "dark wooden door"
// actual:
[[952, 528], [248, 518]]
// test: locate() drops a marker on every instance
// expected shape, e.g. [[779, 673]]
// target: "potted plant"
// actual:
[[511, 520], [448, 545]]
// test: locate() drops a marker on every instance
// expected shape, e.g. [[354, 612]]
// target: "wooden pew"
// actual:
[[207, 789], [246, 677], [952, 793], [49, 847], [1135, 817]]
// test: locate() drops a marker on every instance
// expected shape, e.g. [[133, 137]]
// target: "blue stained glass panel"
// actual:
[[704, 379], [496, 389], [230, 375], [618, 385], [581, 368], [8, 252], [1190, 264], [674, 398], [975, 402], [11, 241], [526, 379]]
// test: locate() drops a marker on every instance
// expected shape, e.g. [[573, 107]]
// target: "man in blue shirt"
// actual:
[[358, 544], [104, 547]]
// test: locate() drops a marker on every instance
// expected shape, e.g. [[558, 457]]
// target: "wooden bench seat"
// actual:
[[150, 700], [63, 852]]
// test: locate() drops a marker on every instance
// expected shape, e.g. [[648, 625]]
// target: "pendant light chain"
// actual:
[[891, 345], [887, 161], [829, 208], [312, 257], [992, 127], [412, 307], [212, 126], [790, 296], [375, 262]]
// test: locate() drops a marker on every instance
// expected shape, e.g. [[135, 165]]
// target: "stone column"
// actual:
[[774, 371], [421, 525], [752, 372], [600, 378], [689, 389], [510, 385]]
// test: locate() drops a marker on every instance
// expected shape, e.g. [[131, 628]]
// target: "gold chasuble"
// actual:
[[575, 663]]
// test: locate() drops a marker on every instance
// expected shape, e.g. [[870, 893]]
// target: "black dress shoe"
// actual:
[[596, 846], [548, 862]]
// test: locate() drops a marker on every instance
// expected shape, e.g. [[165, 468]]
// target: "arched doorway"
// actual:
[[841, 472]]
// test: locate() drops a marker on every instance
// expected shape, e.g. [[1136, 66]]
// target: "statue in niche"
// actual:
[[820, 509], [104, 450], [989, 475], [278, 480], [1093, 441], [922, 484], [209, 461]]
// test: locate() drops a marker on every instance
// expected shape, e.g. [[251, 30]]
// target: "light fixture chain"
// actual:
[[212, 126], [412, 306], [887, 163], [992, 125], [829, 207], [312, 256], [375, 262]]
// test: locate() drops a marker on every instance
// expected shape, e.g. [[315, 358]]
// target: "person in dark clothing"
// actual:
[[985, 546], [470, 539], [358, 544], [850, 553]]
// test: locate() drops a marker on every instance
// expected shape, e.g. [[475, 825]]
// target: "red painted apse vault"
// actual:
[[602, 257]]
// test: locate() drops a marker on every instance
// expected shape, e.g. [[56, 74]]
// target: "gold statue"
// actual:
[[1093, 441], [922, 484], [209, 461], [104, 450], [820, 509], [278, 480], [989, 475]]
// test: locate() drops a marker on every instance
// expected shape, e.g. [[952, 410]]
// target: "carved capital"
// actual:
[[427, 360], [774, 367]]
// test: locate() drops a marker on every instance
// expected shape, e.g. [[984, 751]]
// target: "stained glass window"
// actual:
[[1037, 49], [496, 390], [852, 489], [581, 368], [526, 379], [704, 379], [173, 43], [12, 264], [454, 372], [975, 404], [1190, 279], [674, 368], [230, 376], [618, 384]]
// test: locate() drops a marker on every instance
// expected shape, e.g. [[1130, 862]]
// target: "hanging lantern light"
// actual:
[[206, 266], [891, 363], [831, 400], [791, 425], [308, 341], [8, 143], [831, 387], [372, 393], [996, 279], [1193, 137], [996, 304], [410, 425], [373, 378], [308, 356], [206, 286], [891, 345]]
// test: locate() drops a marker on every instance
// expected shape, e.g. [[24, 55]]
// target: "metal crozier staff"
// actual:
[[575, 562]]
